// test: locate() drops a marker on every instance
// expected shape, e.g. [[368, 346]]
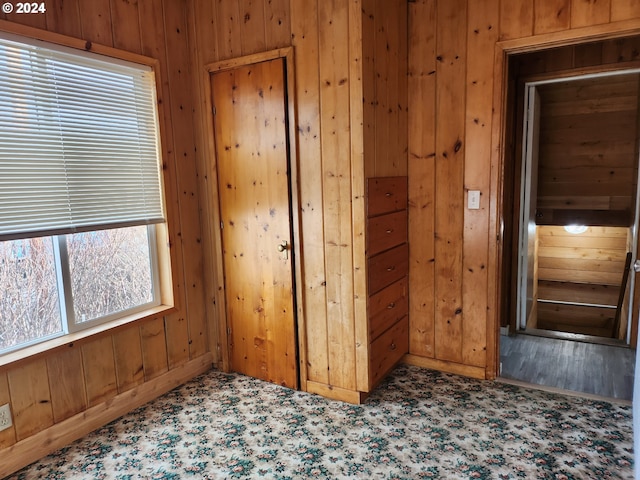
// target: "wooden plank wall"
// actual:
[[596, 256], [451, 78], [588, 161], [580, 269], [338, 145], [68, 390], [583, 269], [384, 44]]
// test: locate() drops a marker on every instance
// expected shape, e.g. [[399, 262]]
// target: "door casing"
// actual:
[[497, 250]]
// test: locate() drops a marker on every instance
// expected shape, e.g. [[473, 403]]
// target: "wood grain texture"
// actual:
[[450, 151], [624, 9], [154, 348], [585, 13], [551, 15], [68, 396], [421, 172], [305, 38], [482, 33], [99, 370], [30, 398], [516, 18], [358, 193], [251, 140], [188, 339], [127, 350], [137, 27], [333, 24]]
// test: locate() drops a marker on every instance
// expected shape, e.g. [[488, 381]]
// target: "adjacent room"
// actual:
[[296, 238]]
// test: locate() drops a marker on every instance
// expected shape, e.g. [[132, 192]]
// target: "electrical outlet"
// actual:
[[5, 417]]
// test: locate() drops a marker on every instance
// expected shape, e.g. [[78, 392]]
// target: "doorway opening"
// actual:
[[571, 180]]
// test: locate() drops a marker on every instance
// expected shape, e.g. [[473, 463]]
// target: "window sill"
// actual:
[[33, 351]]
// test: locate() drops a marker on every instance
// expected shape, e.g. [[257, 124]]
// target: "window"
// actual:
[[80, 190]]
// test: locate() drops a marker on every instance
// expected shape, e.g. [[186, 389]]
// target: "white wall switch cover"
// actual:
[[473, 201]]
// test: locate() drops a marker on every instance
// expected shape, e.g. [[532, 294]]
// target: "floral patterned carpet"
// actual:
[[418, 424]]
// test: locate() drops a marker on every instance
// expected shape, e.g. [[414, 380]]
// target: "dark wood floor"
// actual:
[[603, 370]]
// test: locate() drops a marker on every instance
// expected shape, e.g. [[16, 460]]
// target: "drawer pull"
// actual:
[[392, 346], [391, 269], [389, 231], [388, 194], [391, 305]]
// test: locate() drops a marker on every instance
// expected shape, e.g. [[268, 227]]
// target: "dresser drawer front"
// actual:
[[388, 349], [387, 307], [386, 231], [388, 267], [386, 195]]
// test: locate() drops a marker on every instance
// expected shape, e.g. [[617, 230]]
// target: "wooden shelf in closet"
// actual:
[[387, 274]]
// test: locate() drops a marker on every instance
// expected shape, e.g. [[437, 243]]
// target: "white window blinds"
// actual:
[[79, 147]]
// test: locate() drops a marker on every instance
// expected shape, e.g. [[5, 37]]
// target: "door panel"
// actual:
[[252, 163]]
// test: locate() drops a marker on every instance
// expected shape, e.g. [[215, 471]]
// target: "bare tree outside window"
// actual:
[[29, 306], [110, 273]]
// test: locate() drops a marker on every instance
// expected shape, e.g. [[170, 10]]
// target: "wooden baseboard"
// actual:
[[61, 434], [336, 393], [444, 366]]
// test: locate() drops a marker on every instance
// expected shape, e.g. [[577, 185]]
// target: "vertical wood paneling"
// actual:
[[551, 15], [8, 436], [336, 177], [229, 29], [96, 21], [128, 358], [68, 395], [185, 335], [422, 127], [585, 13], [450, 150], [624, 9], [369, 15], [277, 24], [154, 349], [482, 33], [126, 27], [304, 26], [252, 26], [383, 97], [99, 370], [37, 20], [64, 18], [516, 18], [205, 28], [402, 165], [30, 398], [356, 112], [64, 383]]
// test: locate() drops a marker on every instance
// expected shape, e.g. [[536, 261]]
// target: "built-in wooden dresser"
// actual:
[[387, 272]]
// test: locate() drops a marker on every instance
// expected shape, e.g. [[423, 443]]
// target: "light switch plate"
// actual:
[[473, 201]]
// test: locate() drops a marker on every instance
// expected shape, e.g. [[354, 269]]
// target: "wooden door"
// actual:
[[250, 124]]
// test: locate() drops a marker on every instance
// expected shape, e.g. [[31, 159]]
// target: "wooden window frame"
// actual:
[[166, 257]]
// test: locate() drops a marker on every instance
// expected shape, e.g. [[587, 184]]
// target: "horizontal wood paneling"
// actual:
[[64, 383], [581, 122], [594, 257]]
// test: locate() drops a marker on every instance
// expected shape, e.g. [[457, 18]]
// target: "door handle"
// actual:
[[283, 248]]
